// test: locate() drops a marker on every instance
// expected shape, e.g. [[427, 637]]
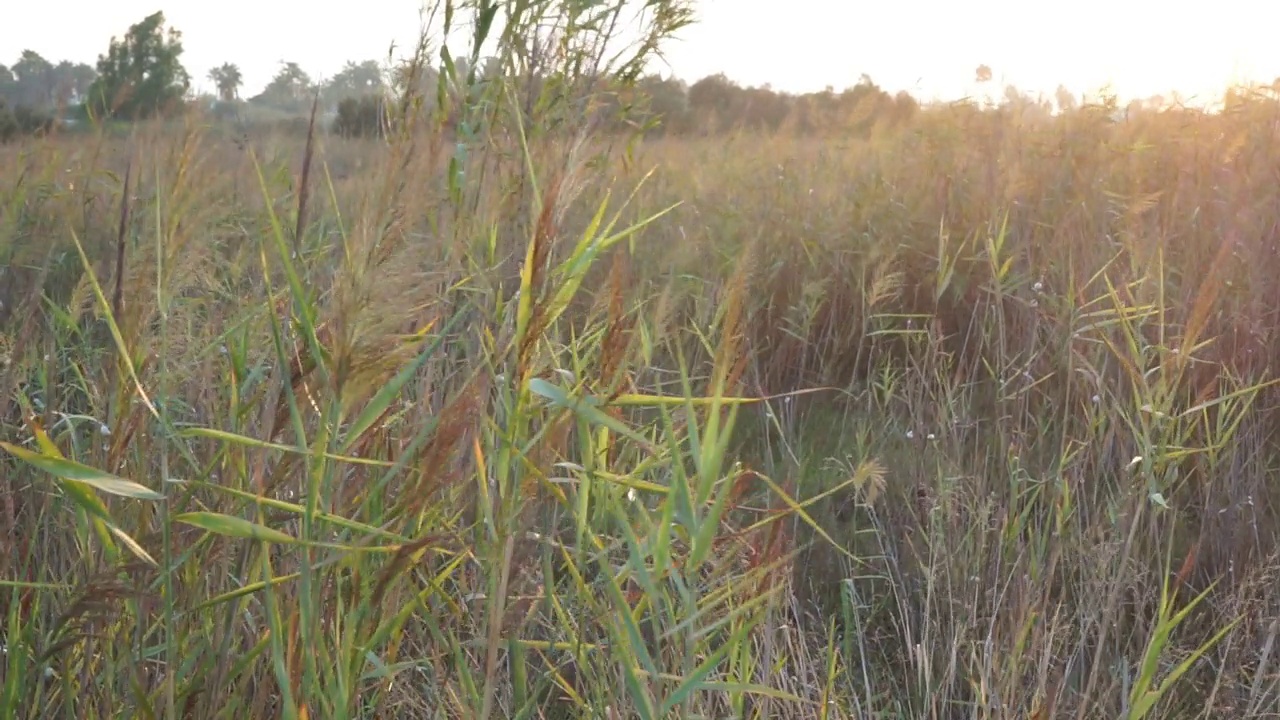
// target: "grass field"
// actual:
[[970, 420]]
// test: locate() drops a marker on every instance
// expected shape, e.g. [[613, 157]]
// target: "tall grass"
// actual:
[[971, 420]]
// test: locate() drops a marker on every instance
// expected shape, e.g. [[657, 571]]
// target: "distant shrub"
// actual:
[[19, 121], [361, 117]]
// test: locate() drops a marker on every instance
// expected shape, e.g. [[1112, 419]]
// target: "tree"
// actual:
[[361, 117], [34, 77], [982, 74], [666, 101], [227, 79], [8, 83], [356, 80], [22, 120], [36, 83], [408, 77], [141, 75], [71, 81], [290, 89]]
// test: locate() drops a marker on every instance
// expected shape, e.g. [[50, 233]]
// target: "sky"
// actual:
[[931, 48]]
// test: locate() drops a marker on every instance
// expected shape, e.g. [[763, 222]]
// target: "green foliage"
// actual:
[[20, 121], [355, 80], [141, 75], [34, 82], [361, 117], [291, 89], [227, 79], [8, 82]]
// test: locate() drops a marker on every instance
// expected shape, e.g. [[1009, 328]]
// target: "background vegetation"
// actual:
[[527, 409], [142, 74]]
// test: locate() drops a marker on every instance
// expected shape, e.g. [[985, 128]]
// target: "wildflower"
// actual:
[[911, 434], [104, 430], [1038, 287]]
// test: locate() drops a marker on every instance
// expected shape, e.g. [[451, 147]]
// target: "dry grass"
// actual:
[[1040, 426]]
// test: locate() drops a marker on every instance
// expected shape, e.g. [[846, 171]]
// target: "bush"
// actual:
[[19, 121], [361, 117]]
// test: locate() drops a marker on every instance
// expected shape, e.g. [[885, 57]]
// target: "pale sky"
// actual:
[[928, 47]]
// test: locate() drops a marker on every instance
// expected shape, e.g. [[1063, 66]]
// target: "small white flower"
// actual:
[[911, 434], [104, 430], [631, 494], [1096, 399], [1038, 287], [931, 436], [1134, 462]]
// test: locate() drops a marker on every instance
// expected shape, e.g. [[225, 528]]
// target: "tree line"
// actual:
[[142, 76]]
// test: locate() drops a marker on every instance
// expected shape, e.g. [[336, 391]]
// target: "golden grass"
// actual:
[[410, 471]]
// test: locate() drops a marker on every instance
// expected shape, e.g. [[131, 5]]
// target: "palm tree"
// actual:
[[228, 80], [289, 89]]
